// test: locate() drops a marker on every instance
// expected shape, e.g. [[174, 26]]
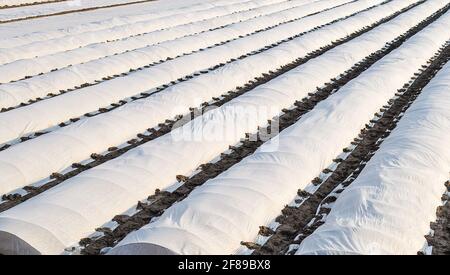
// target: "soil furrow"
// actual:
[[440, 239], [297, 223]]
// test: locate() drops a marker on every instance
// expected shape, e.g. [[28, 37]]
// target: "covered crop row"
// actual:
[[50, 112], [219, 76], [174, 101], [388, 208], [159, 202], [155, 164], [316, 200], [282, 25], [61, 8], [109, 23], [30, 67], [74, 41], [215, 217]]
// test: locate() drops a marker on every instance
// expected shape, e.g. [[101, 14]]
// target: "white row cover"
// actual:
[[79, 140], [29, 67], [95, 196], [215, 217], [14, 93], [138, 15], [45, 114], [45, 9], [57, 109], [50, 8], [74, 41], [389, 207]]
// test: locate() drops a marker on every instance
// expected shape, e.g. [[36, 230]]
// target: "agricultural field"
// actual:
[[249, 127]]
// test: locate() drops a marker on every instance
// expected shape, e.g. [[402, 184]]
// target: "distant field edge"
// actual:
[[71, 11], [31, 4]]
